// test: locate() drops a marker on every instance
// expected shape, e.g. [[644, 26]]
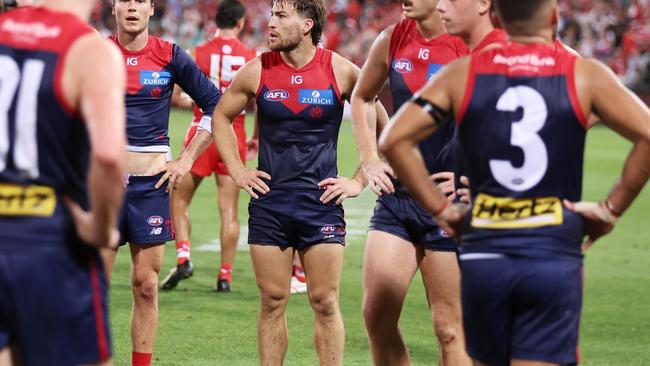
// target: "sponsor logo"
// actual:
[[226, 49], [316, 97], [155, 220], [156, 231], [296, 79], [35, 29], [18, 200], [276, 95], [156, 92], [316, 112], [332, 230], [328, 229], [423, 54], [432, 70], [515, 213], [403, 66], [155, 78], [132, 61], [524, 60]]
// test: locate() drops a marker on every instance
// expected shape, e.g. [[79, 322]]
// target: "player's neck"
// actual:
[[227, 33], [430, 27], [133, 42], [478, 34], [541, 37], [81, 9], [299, 56]]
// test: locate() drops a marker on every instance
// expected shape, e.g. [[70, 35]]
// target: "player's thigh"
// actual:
[[272, 265], [228, 193], [8, 357], [323, 264], [441, 277], [389, 264], [146, 261], [182, 195]]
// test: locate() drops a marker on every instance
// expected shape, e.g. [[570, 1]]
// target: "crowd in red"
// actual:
[[615, 31]]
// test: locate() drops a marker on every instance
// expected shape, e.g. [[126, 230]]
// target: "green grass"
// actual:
[[200, 327]]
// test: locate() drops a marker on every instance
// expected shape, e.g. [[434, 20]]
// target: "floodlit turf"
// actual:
[[201, 327]]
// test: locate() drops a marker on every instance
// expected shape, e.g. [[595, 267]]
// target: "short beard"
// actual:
[[286, 46]]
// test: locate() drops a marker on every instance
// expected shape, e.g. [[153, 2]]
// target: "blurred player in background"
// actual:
[[523, 111], [153, 67], [402, 236], [220, 59], [471, 20], [61, 143]]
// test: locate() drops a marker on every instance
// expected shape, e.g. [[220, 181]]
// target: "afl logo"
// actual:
[[403, 66], [276, 95], [155, 220]]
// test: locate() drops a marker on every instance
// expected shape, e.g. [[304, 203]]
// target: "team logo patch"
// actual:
[[155, 78], [276, 95], [316, 97], [156, 92], [18, 200], [155, 220], [316, 112], [432, 70], [516, 213], [403, 66]]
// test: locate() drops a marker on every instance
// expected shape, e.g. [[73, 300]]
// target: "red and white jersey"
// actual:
[[220, 59]]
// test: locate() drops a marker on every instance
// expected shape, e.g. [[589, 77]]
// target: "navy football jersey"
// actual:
[[299, 113], [151, 75], [413, 60], [44, 146], [523, 133]]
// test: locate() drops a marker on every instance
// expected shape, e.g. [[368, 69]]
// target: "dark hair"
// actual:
[[310, 9], [229, 12], [513, 11]]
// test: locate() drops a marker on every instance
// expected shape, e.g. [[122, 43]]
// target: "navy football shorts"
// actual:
[[400, 215], [146, 213], [521, 308], [53, 306], [294, 219]]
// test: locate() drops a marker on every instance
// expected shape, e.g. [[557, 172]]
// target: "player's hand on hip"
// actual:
[[464, 194], [174, 173], [452, 219], [445, 181], [378, 175], [90, 230], [252, 147], [340, 188], [251, 181], [598, 220]]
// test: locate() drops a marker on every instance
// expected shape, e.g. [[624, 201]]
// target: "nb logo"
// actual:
[[132, 61], [296, 79], [156, 231], [423, 54]]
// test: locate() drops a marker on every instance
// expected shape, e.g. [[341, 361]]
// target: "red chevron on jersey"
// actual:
[[413, 60], [147, 66], [298, 89], [220, 59]]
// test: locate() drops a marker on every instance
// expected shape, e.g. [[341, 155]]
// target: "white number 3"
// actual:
[[524, 135]]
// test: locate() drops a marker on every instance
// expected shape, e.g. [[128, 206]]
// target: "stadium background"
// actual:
[[200, 327]]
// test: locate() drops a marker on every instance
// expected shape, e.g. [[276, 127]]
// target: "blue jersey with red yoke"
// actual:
[[151, 75], [523, 132], [44, 146], [412, 61], [299, 113]]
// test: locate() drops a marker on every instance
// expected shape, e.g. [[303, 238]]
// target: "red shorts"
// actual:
[[210, 162]]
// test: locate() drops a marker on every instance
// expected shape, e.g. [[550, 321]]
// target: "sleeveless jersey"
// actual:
[[523, 133], [220, 59], [151, 75], [44, 146], [299, 113], [496, 36], [412, 62]]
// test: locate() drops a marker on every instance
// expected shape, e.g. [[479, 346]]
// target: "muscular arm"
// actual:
[[412, 124], [94, 77]]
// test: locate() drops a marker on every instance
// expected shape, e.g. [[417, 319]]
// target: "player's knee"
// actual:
[[274, 303], [145, 289], [324, 305], [447, 330]]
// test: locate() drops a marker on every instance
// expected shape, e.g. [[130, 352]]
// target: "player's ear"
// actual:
[[113, 8], [241, 23], [484, 6], [151, 9], [307, 25], [555, 15]]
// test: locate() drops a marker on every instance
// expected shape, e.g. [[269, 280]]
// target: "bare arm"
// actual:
[[180, 99], [94, 77]]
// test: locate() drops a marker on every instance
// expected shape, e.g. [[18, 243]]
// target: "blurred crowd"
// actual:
[[615, 31]]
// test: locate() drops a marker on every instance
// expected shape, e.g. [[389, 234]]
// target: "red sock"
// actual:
[[299, 273], [225, 272], [140, 359], [182, 251]]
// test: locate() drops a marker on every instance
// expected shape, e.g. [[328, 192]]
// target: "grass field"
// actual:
[[200, 327]]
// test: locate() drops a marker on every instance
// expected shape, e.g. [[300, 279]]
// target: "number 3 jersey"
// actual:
[[44, 146], [523, 132], [299, 114]]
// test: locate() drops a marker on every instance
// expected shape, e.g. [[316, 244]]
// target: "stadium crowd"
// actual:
[[615, 31]]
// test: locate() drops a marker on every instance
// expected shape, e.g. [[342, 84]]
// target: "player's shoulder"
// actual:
[[162, 47], [343, 64]]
